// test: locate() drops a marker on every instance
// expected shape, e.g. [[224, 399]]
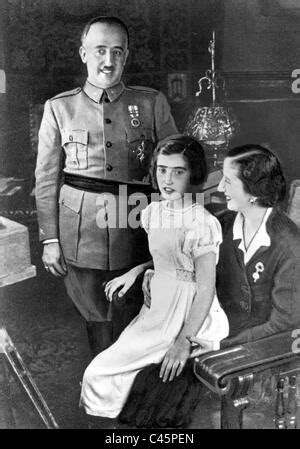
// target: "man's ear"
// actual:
[[126, 56], [82, 53]]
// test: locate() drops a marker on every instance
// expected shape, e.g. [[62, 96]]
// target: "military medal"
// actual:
[[134, 114], [140, 154]]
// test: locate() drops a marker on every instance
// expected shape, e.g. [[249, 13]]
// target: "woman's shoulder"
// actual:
[[226, 219], [284, 231]]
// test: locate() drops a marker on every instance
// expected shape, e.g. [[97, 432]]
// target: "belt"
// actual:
[[95, 185]]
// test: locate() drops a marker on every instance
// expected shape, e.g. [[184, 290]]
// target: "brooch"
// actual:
[[259, 267], [134, 114]]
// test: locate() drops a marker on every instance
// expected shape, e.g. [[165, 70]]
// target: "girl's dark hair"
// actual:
[[190, 148], [110, 20], [260, 172]]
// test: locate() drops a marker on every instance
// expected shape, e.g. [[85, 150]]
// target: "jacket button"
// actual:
[[107, 120], [109, 167], [108, 144], [244, 305], [71, 138]]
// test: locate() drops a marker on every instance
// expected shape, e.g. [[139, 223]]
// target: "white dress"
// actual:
[[176, 238]]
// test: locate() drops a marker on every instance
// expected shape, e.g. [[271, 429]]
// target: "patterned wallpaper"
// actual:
[[42, 37], [257, 45]]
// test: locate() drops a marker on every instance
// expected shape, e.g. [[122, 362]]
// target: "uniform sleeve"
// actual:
[[204, 237], [164, 121], [47, 173], [285, 312]]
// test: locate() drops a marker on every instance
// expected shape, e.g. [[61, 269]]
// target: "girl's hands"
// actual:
[[201, 346], [176, 357], [146, 287], [124, 282], [175, 360]]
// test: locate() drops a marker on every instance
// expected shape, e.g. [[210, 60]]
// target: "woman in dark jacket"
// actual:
[[258, 275], [258, 282]]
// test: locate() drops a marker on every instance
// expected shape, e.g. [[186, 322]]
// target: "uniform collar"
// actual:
[[262, 237], [95, 93]]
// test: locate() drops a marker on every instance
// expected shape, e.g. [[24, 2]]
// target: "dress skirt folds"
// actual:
[[176, 239]]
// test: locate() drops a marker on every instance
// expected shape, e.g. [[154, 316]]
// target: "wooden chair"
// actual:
[[293, 208], [234, 372]]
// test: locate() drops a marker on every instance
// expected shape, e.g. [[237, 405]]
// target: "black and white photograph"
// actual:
[[149, 217]]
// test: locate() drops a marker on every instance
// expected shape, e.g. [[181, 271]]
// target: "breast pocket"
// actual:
[[75, 144]]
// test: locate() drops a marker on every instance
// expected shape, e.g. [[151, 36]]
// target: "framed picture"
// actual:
[[177, 90]]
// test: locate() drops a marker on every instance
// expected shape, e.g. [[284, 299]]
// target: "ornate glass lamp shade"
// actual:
[[213, 126]]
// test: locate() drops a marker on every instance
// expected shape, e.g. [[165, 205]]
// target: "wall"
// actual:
[[260, 49], [3, 124], [258, 46], [41, 45], [260, 36]]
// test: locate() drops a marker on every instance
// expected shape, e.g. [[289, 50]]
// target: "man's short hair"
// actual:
[[110, 20]]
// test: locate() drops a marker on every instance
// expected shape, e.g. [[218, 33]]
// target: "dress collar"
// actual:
[[167, 207], [95, 93], [262, 237]]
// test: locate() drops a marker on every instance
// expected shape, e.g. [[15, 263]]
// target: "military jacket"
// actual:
[[104, 135]]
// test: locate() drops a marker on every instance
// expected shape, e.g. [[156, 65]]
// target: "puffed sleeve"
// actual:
[[150, 216], [205, 236], [145, 217]]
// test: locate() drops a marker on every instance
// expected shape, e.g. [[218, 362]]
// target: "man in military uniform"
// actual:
[[93, 140]]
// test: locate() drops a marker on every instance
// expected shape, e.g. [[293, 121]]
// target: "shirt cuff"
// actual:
[[44, 242]]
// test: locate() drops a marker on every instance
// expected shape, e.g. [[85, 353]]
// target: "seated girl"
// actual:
[[181, 301], [258, 281]]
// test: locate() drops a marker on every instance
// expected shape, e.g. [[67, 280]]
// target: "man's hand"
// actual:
[[146, 287], [175, 360], [53, 259]]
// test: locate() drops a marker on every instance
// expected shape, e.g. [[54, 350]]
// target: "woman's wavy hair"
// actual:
[[260, 172], [190, 148]]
